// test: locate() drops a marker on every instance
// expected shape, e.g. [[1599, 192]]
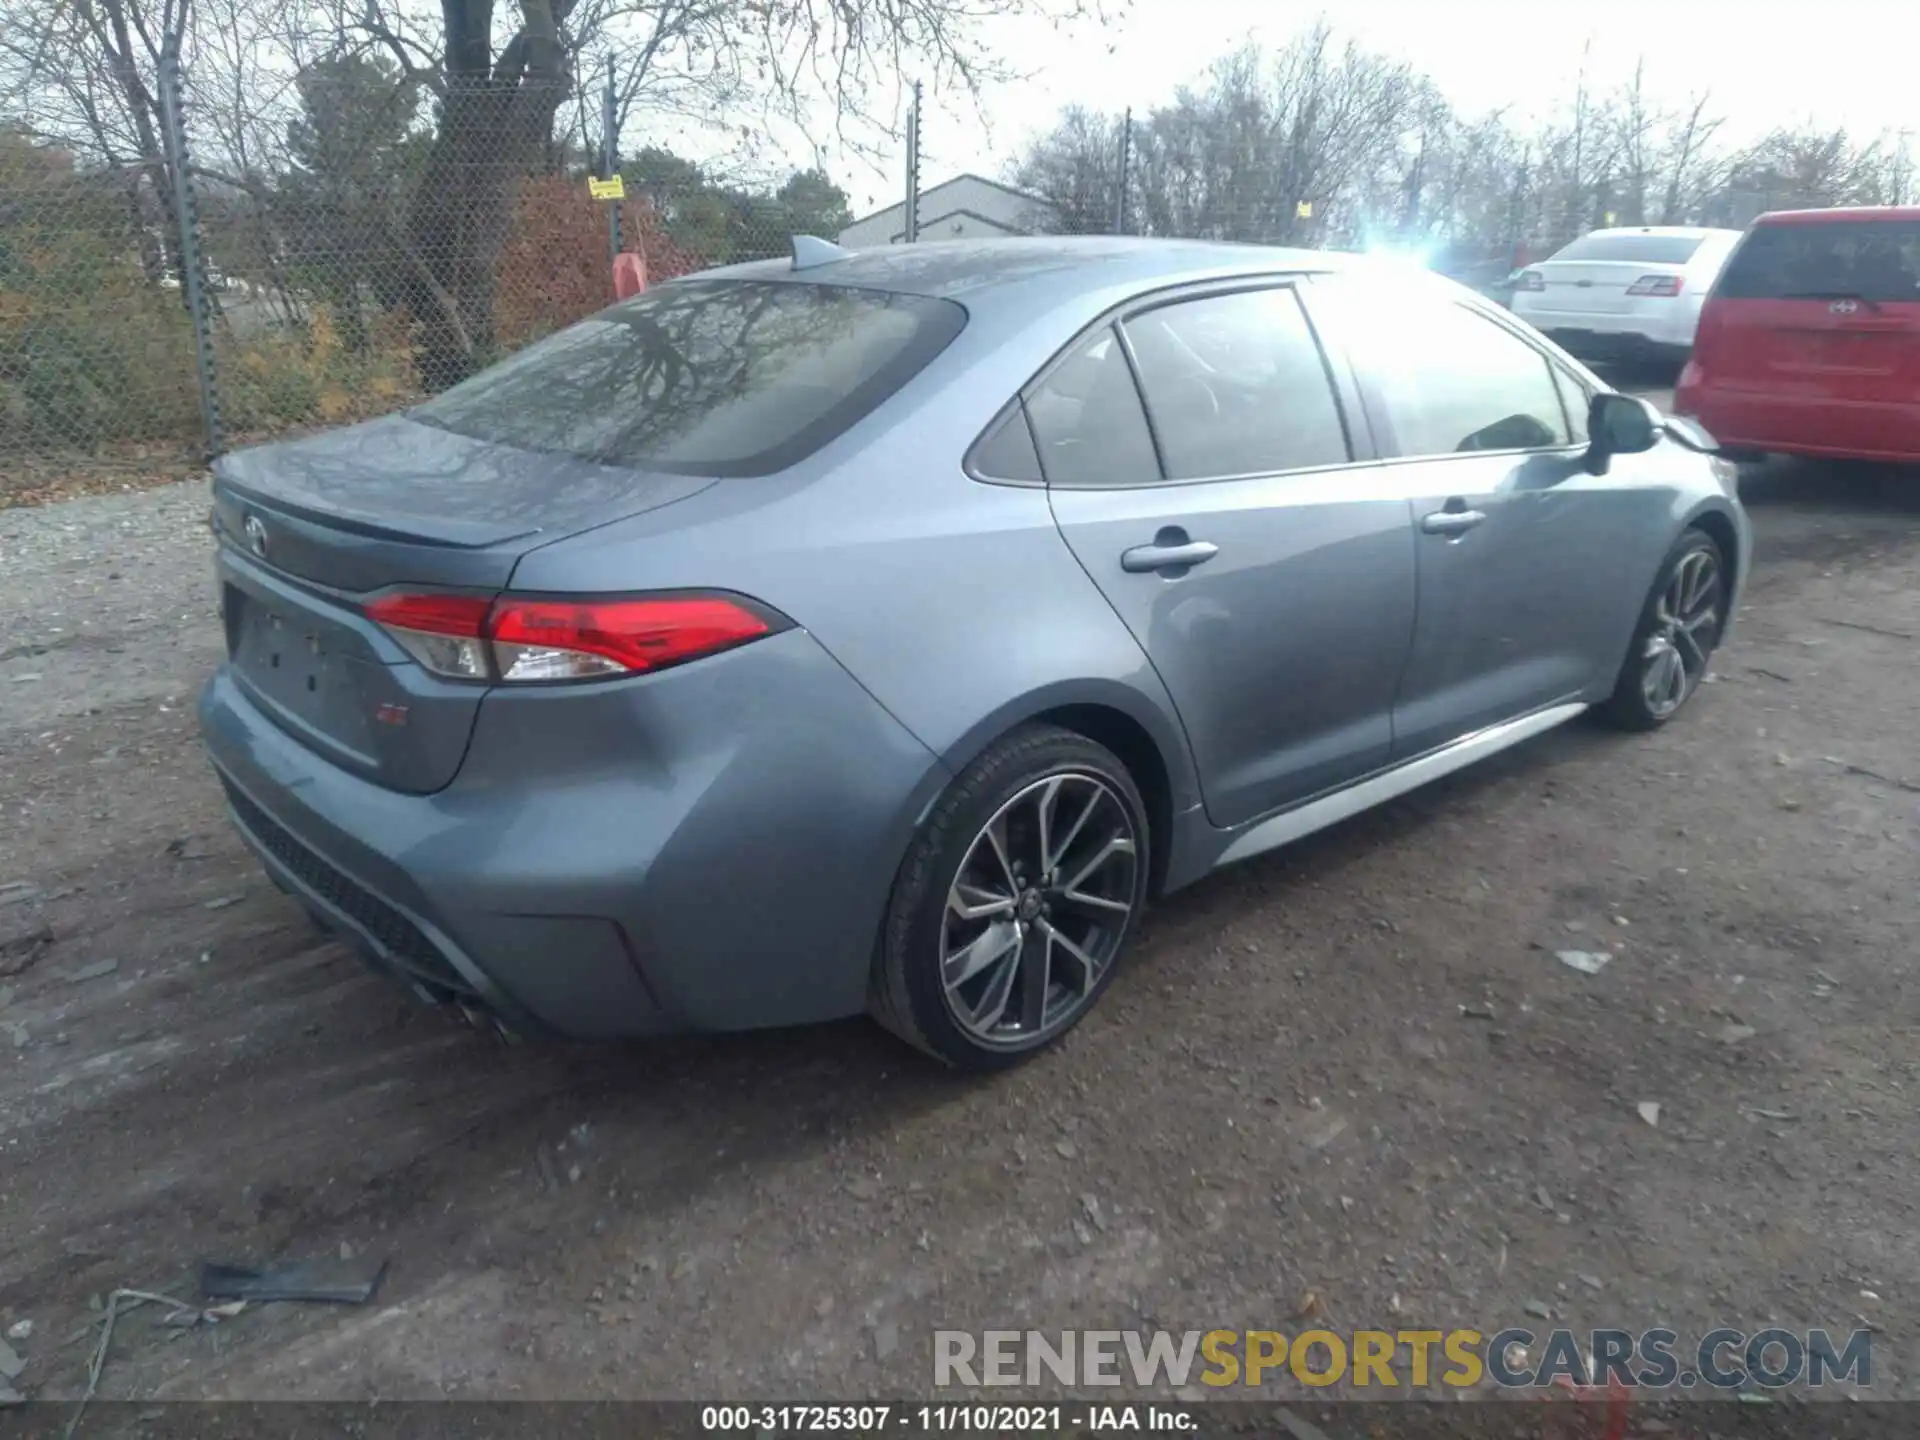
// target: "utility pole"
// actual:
[[1126, 157], [610, 158], [186, 215], [912, 226]]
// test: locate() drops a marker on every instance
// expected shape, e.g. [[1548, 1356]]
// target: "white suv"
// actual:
[[1632, 292]]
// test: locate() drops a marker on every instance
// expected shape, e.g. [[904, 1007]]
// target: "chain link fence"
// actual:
[[155, 313], [402, 232]]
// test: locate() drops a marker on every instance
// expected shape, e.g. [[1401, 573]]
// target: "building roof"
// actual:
[[1023, 195]]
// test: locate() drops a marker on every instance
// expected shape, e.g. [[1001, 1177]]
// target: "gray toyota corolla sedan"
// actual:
[[880, 631]]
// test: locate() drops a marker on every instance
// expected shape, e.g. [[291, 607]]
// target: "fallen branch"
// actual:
[[1870, 629], [138, 1298], [1853, 769]]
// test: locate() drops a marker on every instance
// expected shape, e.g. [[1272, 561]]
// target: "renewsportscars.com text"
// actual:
[[1724, 1359]]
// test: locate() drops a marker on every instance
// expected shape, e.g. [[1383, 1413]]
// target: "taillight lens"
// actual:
[[466, 637], [1531, 280], [1667, 285], [445, 633]]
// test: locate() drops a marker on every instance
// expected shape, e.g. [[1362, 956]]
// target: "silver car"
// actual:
[[881, 631]]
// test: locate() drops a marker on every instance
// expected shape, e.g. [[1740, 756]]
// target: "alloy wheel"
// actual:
[[1686, 625], [1038, 909]]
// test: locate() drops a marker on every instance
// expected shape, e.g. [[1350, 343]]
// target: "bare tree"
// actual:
[[1075, 168], [1688, 163]]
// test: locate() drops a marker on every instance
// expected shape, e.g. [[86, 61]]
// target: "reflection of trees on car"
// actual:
[[696, 375]]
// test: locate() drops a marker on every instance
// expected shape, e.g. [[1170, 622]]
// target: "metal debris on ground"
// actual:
[[1587, 962], [1650, 1112], [1734, 1034], [329, 1281]]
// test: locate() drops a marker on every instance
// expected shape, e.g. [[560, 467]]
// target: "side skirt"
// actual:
[[1303, 820]]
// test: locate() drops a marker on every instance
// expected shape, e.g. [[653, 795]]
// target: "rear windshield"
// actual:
[[1659, 249], [707, 377], [1831, 260]]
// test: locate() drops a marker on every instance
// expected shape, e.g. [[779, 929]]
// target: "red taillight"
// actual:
[[468, 637], [1531, 280], [464, 615], [1665, 285], [575, 639]]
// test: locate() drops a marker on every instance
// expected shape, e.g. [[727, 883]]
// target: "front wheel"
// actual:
[[1678, 631], [1015, 902]]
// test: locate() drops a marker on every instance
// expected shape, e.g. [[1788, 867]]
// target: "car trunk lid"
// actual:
[[311, 528], [1593, 287]]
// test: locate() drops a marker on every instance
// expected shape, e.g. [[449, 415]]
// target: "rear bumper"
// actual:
[[1801, 425], [710, 848], [1661, 333]]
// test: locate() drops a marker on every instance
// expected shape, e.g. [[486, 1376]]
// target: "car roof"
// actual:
[[1064, 267], [1678, 232], [1840, 215]]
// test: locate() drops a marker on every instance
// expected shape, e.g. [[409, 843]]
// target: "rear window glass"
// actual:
[[1658, 249], [1832, 260], [716, 377]]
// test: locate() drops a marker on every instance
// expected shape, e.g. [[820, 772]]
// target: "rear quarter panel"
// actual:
[[955, 603]]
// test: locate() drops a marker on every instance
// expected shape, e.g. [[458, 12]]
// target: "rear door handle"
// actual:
[[1451, 522], [1181, 555]]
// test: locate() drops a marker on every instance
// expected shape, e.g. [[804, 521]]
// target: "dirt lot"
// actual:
[[1296, 1088]]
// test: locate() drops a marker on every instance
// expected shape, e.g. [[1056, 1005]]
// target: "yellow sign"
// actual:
[[614, 189], [1304, 210]]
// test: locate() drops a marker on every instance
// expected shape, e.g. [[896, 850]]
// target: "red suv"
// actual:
[[1810, 341]]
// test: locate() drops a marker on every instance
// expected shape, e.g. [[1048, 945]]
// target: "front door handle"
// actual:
[[1451, 522], [1167, 553]]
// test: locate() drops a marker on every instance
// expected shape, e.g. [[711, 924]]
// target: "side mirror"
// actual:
[[1627, 425], [1619, 425]]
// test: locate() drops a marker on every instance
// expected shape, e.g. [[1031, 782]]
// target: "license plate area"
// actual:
[[286, 656]]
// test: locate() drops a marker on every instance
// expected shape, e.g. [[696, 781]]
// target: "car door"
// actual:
[[1522, 556], [1235, 521]]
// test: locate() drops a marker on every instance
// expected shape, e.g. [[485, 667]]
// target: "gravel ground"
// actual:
[[1352, 1069]]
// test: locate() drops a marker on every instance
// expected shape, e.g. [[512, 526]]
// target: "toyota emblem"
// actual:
[[1844, 307], [257, 536]]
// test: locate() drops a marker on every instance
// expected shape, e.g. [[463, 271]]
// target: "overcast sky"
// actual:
[[1836, 62]]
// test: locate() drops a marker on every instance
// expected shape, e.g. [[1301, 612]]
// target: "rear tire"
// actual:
[[1015, 903], [1680, 627]]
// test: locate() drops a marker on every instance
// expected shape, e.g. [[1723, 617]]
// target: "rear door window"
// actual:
[[1641, 249], [1876, 260], [1087, 421], [716, 377], [1236, 385], [1006, 451]]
